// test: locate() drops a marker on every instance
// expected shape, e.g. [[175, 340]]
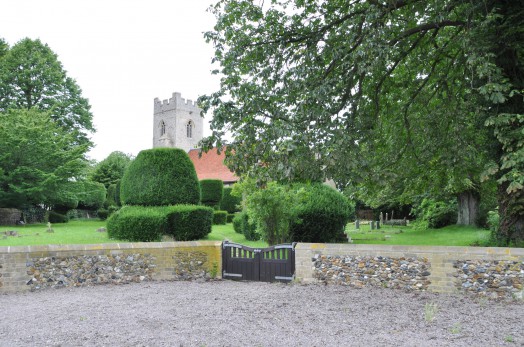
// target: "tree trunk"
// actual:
[[511, 222], [468, 208]]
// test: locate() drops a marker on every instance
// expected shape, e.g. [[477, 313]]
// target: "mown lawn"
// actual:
[[85, 232], [453, 235]]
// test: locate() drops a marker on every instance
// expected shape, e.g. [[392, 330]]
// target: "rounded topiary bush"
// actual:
[[189, 222], [212, 191], [159, 177], [322, 217], [55, 217], [219, 217]]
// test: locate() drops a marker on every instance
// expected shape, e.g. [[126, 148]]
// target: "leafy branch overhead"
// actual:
[[356, 90]]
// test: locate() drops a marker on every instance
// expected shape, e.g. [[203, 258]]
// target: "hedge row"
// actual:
[[242, 225], [212, 191], [183, 222], [220, 217], [229, 202]]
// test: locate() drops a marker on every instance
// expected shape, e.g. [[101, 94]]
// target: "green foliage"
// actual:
[[248, 227], [111, 197], [110, 170], [230, 217], [493, 222], [212, 191], [32, 77], [273, 209], [398, 99], [237, 222], [137, 223], [322, 216], [219, 217], [37, 159], [55, 217], [91, 195], [189, 222], [436, 214], [102, 214], [158, 177], [230, 203]]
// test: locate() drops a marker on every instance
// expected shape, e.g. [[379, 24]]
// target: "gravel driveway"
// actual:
[[227, 313]]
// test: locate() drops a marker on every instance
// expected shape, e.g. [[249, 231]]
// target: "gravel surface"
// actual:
[[227, 313]]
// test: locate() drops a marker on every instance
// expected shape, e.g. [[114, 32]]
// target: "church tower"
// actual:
[[177, 123]]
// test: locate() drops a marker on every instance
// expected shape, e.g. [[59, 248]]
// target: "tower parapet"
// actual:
[[176, 102]]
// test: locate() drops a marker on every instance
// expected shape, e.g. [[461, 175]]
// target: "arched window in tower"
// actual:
[[189, 129], [162, 128]]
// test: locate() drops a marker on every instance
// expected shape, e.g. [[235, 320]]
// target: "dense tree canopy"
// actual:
[[111, 169], [37, 159], [32, 76], [400, 97]]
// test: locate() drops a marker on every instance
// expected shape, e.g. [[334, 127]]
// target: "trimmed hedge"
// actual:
[[219, 217], [160, 177], [111, 196], [55, 217], [136, 223], [237, 223], [212, 191], [248, 228], [323, 217], [229, 202], [139, 223], [189, 222], [230, 217]]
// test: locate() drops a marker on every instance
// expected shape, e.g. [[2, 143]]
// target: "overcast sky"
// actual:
[[123, 54]]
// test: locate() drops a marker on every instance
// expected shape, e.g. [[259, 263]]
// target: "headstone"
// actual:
[[381, 218], [378, 224], [372, 223], [357, 224]]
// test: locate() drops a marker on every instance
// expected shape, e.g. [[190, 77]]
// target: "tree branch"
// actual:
[[426, 27]]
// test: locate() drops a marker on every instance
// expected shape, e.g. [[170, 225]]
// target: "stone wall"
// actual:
[[38, 267], [9, 216], [489, 272]]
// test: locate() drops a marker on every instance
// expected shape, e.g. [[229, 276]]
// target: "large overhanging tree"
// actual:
[[424, 94]]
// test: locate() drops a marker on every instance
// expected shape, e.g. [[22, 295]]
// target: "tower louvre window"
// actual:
[[189, 129], [162, 128]]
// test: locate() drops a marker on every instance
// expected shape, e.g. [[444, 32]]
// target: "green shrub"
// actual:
[[55, 217], [189, 222], [237, 223], [249, 229], [91, 195], [102, 214], [160, 177], [230, 217], [137, 223], [117, 194], [219, 217], [111, 196], [230, 203], [436, 214], [322, 216], [212, 191]]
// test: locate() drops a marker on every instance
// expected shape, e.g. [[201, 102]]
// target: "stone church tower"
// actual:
[[177, 123]]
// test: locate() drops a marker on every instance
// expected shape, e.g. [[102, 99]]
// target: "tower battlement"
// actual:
[[176, 102]]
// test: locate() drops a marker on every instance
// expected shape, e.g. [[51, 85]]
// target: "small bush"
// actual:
[[137, 223], [219, 217], [55, 217], [237, 223], [436, 214], [230, 217], [102, 214], [189, 222], [322, 217], [160, 177], [111, 196], [249, 229], [212, 191], [230, 203]]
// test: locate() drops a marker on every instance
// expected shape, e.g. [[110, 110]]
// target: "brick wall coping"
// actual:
[[456, 250], [107, 246]]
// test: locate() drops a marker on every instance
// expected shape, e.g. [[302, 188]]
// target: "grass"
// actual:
[[84, 232], [453, 235]]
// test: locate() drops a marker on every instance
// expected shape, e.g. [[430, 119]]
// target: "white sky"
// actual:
[[123, 54]]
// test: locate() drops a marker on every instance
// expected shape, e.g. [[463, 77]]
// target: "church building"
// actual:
[[177, 123]]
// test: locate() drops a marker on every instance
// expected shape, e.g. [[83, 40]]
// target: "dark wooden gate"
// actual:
[[275, 263]]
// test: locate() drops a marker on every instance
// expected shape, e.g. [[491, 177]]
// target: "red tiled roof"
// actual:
[[211, 166]]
